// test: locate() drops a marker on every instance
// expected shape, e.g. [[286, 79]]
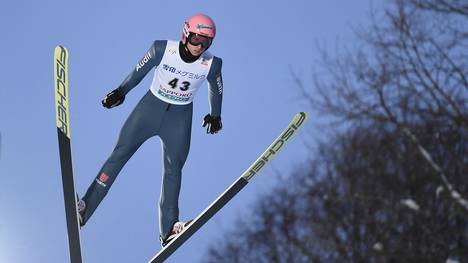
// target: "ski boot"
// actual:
[[81, 208], [178, 228]]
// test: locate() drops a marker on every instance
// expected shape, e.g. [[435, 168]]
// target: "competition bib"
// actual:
[[176, 81]]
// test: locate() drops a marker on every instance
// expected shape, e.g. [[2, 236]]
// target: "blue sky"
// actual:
[[259, 42]]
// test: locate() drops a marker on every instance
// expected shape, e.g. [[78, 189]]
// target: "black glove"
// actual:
[[214, 124], [113, 99]]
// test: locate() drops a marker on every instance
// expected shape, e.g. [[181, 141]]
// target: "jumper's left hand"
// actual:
[[213, 124]]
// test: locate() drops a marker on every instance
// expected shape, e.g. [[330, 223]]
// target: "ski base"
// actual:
[[235, 188], [64, 139]]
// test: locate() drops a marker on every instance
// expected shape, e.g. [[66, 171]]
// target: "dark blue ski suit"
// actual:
[[165, 111]]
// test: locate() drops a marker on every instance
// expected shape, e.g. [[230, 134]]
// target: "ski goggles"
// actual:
[[196, 39]]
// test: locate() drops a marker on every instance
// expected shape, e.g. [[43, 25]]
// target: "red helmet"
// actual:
[[201, 25]]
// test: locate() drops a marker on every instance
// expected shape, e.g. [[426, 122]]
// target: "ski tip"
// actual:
[[300, 118], [60, 47]]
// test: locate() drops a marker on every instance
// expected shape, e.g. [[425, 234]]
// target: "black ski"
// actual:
[[235, 188], [63, 130]]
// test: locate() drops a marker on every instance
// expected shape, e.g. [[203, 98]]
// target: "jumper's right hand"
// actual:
[[113, 99]]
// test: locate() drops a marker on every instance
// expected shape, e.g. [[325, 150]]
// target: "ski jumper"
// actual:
[[166, 111]]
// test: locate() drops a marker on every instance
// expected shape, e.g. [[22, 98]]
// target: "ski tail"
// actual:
[[64, 139], [278, 144]]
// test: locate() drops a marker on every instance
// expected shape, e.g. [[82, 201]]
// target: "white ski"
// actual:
[[63, 130], [235, 188]]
